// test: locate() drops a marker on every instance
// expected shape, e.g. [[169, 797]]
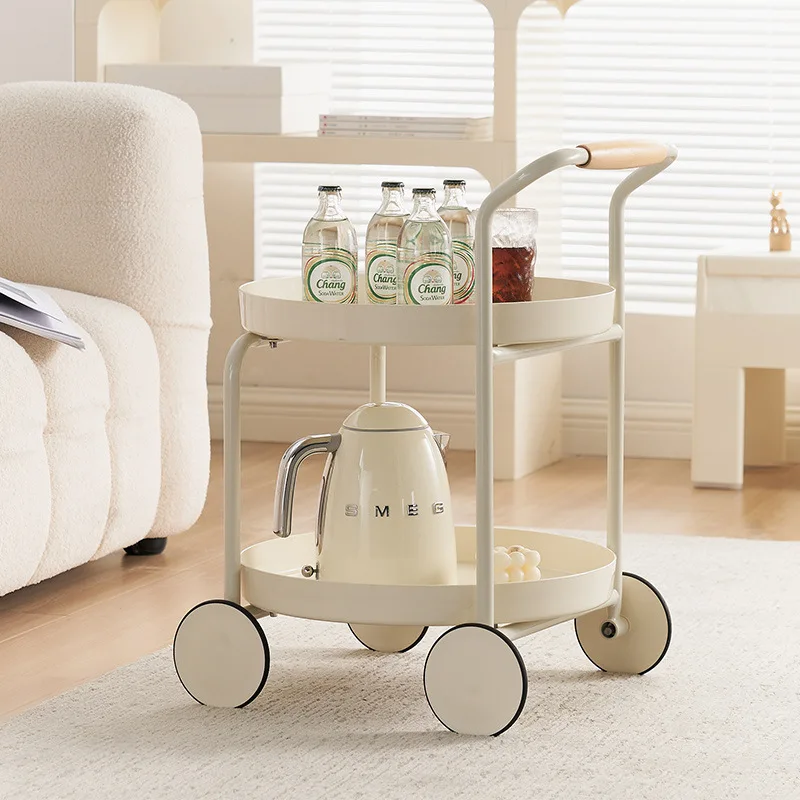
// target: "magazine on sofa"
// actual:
[[31, 309]]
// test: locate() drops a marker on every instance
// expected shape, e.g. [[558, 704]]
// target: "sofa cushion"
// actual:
[[126, 343], [101, 438], [24, 473], [76, 396]]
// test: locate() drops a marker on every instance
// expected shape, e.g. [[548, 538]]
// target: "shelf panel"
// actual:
[[562, 310], [485, 156], [576, 576], [517, 351]]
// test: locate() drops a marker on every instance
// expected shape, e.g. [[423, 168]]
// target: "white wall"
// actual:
[[660, 362], [36, 40], [660, 386]]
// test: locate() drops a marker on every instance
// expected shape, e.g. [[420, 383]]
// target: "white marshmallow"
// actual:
[[502, 560], [516, 563]]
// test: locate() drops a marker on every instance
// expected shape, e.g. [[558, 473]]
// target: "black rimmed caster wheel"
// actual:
[[645, 642], [148, 547], [475, 680], [388, 638], [221, 654]]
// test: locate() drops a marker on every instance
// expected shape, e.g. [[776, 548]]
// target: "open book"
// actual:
[[32, 309]]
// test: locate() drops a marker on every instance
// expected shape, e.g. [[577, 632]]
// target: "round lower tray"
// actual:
[[576, 576], [561, 310]]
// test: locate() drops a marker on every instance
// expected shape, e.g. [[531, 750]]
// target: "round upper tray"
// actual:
[[577, 576], [561, 310]]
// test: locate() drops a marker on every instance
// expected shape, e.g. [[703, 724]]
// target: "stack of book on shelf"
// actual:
[[405, 127]]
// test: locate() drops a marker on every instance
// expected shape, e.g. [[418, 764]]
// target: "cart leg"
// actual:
[[232, 463], [616, 452], [617, 624], [484, 403]]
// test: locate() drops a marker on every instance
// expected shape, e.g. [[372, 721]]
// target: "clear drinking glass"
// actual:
[[513, 254]]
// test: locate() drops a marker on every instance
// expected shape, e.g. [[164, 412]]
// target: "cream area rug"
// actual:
[[718, 718]]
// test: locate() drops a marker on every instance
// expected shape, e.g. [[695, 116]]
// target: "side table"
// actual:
[[747, 332]]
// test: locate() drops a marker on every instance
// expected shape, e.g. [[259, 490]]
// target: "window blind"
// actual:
[[718, 78], [420, 57]]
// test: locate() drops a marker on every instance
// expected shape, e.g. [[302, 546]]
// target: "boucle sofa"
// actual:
[[101, 201]]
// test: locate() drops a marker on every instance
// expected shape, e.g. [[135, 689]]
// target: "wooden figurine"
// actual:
[[780, 237]]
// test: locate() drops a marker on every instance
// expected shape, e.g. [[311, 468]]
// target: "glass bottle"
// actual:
[[424, 255], [461, 224], [380, 249], [330, 252]]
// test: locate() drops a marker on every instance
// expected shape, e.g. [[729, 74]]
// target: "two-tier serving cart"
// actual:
[[474, 677]]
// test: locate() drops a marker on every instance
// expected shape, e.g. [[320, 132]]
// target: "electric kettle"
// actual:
[[385, 513]]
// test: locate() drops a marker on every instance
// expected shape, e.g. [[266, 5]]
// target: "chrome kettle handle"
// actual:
[[287, 476]]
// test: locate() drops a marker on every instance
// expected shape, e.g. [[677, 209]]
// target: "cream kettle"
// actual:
[[385, 513]]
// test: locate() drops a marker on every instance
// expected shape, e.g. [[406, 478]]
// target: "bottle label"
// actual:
[[330, 276], [463, 269], [428, 280], [381, 271]]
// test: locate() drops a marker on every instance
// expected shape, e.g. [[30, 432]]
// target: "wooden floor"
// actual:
[[79, 625]]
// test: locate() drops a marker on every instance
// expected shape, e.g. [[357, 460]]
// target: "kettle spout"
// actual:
[[443, 442]]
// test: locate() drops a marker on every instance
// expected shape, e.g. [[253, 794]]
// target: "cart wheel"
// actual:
[[475, 680], [221, 654], [388, 638], [645, 642]]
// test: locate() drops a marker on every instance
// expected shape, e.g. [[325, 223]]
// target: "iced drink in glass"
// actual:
[[513, 254]]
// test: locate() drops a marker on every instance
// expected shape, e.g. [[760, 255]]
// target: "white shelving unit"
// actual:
[[131, 31], [483, 156]]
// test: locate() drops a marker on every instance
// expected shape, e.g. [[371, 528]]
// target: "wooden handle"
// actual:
[[624, 154]]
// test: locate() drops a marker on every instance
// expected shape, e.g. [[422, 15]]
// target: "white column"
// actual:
[[527, 396], [219, 32]]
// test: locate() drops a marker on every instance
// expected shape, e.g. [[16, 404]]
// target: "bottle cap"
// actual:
[[454, 182], [329, 188], [423, 191], [392, 185]]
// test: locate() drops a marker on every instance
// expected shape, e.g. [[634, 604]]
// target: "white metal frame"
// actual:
[[648, 160], [486, 357]]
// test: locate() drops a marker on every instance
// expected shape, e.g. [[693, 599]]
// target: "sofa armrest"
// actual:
[[101, 192]]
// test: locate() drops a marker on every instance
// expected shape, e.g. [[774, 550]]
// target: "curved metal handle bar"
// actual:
[[616, 224], [616, 394], [484, 385], [484, 456]]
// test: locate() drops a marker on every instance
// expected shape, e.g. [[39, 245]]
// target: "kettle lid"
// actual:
[[385, 417]]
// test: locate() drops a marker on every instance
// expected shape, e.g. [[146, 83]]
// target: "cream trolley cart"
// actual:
[[474, 677]]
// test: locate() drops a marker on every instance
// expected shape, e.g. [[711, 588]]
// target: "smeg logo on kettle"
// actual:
[[410, 510]]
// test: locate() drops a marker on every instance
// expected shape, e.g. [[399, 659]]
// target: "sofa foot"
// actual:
[[147, 547]]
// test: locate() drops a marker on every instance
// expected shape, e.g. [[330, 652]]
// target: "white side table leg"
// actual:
[[718, 428]]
